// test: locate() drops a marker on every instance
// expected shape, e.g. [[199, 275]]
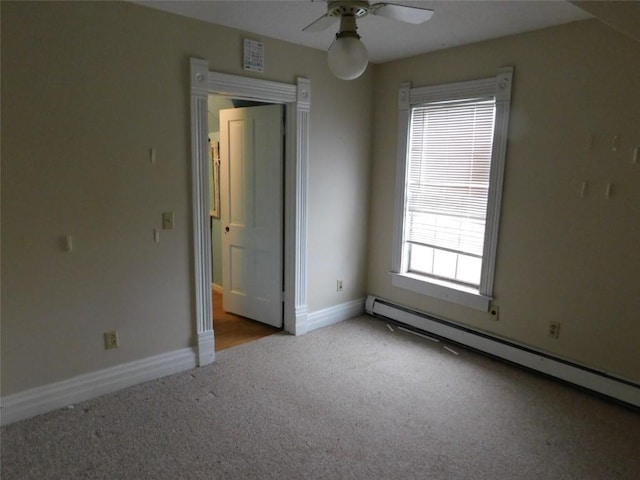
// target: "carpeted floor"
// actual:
[[350, 401]]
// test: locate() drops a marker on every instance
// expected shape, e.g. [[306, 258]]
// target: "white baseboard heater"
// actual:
[[600, 382]]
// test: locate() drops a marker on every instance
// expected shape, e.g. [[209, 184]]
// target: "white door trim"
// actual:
[[297, 101]]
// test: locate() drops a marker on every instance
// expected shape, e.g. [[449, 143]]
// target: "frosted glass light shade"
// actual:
[[348, 58]]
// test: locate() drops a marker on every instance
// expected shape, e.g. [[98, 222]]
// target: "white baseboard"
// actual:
[[206, 348], [217, 288], [56, 395], [600, 382], [335, 314], [296, 323]]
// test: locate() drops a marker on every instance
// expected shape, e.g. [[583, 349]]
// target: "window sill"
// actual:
[[442, 290]]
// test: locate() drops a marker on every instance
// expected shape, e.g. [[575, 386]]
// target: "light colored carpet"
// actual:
[[350, 401]]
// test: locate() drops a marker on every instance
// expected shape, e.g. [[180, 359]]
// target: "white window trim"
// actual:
[[500, 88]]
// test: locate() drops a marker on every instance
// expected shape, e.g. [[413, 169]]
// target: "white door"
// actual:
[[251, 184]]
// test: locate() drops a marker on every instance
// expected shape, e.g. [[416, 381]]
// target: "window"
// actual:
[[450, 168]]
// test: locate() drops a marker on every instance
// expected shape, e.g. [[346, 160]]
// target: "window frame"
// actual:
[[498, 87]]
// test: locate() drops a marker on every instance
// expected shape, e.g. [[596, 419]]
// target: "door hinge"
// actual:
[[283, 296]]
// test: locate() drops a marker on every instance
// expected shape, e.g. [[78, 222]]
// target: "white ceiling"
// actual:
[[454, 23]]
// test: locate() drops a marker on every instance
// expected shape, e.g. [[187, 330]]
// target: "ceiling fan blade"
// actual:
[[321, 24], [403, 13]]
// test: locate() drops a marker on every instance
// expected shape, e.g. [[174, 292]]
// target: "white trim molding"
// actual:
[[502, 89], [61, 394], [498, 87], [200, 203], [600, 382], [297, 100], [335, 314], [297, 201], [404, 116], [443, 290], [250, 88]]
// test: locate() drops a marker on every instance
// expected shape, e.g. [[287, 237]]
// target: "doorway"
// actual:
[[246, 141], [233, 330], [296, 97]]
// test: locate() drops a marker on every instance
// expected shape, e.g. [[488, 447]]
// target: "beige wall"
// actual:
[[87, 89], [560, 257]]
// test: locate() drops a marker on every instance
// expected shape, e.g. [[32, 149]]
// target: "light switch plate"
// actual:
[[167, 221]]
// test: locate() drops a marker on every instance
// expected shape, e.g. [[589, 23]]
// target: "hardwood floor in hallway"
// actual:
[[232, 330]]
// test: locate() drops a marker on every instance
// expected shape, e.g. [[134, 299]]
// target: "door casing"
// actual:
[[297, 100]]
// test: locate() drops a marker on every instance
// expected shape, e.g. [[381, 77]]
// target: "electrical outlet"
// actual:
[[339, 285], [494, 311], [554, 329], [111, 340]]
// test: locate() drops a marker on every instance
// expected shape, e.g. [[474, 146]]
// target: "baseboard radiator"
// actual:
[[599, 382]]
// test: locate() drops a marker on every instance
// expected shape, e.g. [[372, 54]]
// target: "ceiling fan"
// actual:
[[348, 57]]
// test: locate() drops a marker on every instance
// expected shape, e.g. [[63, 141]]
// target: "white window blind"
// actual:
[[449, 164]]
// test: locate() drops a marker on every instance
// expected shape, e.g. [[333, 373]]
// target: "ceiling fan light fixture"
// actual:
[[348, 57]]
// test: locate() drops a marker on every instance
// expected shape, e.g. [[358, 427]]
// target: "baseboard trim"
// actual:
[[335, 314], [56, 395], [206, 348], [217, 288], [602, 383], [299, 326]]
